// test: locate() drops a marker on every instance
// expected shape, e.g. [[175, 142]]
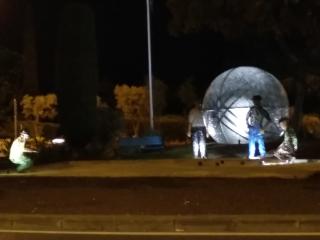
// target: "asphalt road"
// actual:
[[79, 236], [159, 196]]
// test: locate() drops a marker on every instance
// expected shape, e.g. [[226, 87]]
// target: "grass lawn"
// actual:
[[307, 149]]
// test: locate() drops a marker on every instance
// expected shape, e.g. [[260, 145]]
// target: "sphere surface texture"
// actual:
[[228, 100]]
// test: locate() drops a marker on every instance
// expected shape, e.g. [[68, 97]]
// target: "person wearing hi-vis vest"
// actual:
[[17, 151]]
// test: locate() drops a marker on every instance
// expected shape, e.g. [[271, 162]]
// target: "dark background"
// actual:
[[122, 46]]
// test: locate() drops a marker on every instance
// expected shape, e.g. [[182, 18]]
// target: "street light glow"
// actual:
[[58, 141]]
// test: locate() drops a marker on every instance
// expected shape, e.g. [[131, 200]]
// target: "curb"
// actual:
[[167, 223]]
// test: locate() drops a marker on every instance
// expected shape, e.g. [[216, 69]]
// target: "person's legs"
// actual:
[[24, 163], [261, 145], [195, 142], [202, 142], [251, 144], [283, 153]]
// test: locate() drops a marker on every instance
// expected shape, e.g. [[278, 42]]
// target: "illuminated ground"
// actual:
[[307, 149], [223, 161]]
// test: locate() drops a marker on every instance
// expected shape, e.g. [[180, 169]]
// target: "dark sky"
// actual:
[[121, 28], [122, 45], [122, 42]]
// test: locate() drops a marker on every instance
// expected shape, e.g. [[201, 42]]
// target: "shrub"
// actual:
[[133, 102], [170, 127], [39, 108], [311, 125], [5, 146]]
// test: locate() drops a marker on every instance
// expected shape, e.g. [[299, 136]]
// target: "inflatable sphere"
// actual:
[[228, 100]]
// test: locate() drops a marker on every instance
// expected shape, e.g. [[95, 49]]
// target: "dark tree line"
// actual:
[[77, 74], [291, 26], [73, 61]]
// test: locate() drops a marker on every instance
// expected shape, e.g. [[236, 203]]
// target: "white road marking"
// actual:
[[225, 234]]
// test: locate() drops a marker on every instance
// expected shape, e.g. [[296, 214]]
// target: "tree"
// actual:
[[77, 75], [10, 79], [187, 93], [39, 108], [30, 78], [292, 25], [159, 96], [133, 102]]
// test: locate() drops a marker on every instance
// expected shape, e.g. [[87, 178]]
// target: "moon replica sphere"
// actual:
[[228, 100]]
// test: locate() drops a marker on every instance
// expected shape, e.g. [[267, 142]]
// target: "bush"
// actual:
[[171, 127], [311, 126], [45, 129], [5, 146], [110, 125]]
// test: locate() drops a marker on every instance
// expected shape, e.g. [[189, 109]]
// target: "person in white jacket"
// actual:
[[17, 151], [197, 131]]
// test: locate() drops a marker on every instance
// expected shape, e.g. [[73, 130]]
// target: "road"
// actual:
[[159, 196], [155, 236]]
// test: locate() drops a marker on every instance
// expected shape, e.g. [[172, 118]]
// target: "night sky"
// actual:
[[122, 45]]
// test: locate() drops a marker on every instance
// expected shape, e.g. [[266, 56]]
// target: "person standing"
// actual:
[[17, 151], [197, 132], [286, 150], [254, 119]]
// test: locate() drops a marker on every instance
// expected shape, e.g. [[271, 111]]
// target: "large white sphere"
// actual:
[[228, 100]]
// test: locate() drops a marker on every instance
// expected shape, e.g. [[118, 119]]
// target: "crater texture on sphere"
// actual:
[[228, 99]]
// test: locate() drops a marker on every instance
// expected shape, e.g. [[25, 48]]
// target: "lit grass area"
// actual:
[[214, 151]]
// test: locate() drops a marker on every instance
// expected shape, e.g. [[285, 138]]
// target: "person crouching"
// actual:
[[17, 151], [286, 150]]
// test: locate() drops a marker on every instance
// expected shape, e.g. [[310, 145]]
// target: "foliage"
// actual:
[[10, 66], [187, 93], [159, 96], [30, 59], [77, 75], [39, 107], [235, 18], [133, 102], [172, 128], [110, 125], [5, 146], [10, 78], [291, 26], [313, 84], [311, 125], [36, 143]]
